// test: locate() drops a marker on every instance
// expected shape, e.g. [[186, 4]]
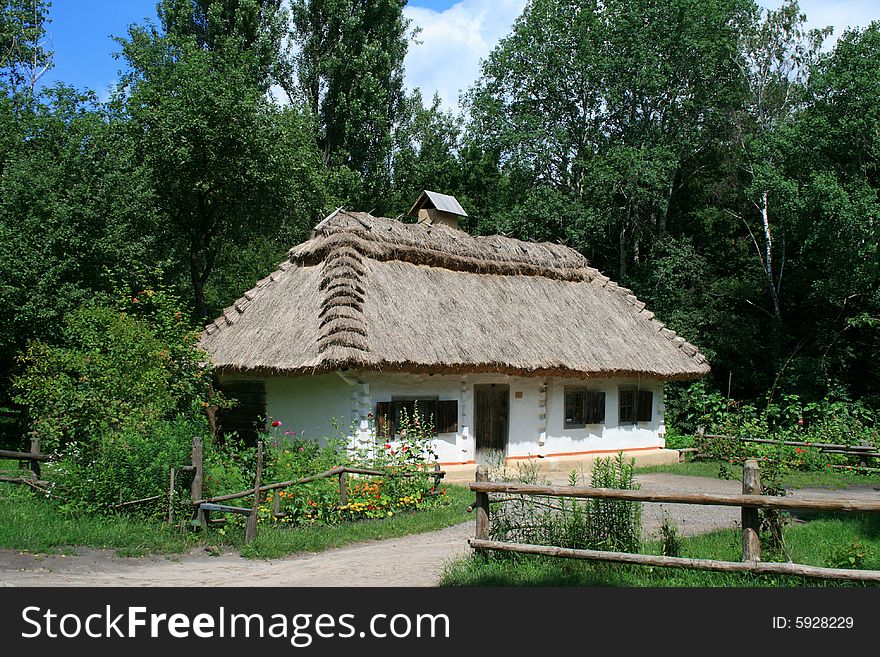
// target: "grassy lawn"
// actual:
[[793, 478], [824, 541], [31, 524]]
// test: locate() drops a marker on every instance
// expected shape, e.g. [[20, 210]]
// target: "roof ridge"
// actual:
[[388, 239], [341, 314]]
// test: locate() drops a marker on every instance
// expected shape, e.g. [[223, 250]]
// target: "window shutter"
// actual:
[[595, 407], [575, 408], [646, 406], [447, 416], [383, 419]]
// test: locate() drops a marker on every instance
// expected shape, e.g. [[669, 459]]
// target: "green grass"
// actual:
[[817, 542], [31, 524], [793, 478]]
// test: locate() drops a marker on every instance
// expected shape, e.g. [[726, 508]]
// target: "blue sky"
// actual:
[[455, 35], [82, 31]]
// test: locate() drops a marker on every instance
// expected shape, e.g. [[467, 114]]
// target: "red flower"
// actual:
[[387, 445], [404, 448], [276, 423], [135, 300], [799, 450]]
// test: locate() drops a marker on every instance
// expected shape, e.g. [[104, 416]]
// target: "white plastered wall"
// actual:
[[309, 404]]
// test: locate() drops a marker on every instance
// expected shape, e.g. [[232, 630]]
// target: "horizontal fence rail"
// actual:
[[26, 456], [760, 567], [791, 443], [332, 472], [756, 501]]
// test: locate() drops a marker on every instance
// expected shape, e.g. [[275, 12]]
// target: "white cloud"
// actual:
[[452, 43]]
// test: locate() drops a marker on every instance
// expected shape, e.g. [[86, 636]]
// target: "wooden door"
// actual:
[[491, 421]]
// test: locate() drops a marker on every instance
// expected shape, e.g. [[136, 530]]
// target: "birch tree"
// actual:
[[777, 54]]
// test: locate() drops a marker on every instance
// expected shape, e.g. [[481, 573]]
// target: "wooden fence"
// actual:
[[862, 452], [750, 501], [204, 506], [27, 461]]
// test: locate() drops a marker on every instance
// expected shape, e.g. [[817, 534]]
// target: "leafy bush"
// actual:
[[670, 541], [849, 556], [115, 369], [125, 465], [119, 400], [614, 524]]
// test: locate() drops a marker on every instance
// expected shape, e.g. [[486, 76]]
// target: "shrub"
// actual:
[[119, 400], [670, 541], [115, 369], [125, 465], [614, 524], [848, 556]]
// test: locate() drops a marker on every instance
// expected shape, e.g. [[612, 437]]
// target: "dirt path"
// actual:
[[415, 560]]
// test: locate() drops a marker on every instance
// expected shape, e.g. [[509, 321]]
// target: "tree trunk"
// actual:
[[624, 247], [197, 276], [768, 252]]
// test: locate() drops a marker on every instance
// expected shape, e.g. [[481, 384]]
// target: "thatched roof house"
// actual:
[[377, 297]]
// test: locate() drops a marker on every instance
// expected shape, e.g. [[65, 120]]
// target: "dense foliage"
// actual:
[[715, 157], [119, 401]]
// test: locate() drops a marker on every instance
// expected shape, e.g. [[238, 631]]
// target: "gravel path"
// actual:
[[415, 560]]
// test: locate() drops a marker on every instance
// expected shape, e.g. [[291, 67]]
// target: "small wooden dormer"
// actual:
[[436, 208]]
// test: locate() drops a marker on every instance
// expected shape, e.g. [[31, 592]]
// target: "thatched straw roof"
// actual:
[[373, 293]]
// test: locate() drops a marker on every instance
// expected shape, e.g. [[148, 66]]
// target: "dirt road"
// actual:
[[415, 560]]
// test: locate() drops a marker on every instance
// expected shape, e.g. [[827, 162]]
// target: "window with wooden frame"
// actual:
[[583, 407], [441, 414], [635, 405], [626, 406]]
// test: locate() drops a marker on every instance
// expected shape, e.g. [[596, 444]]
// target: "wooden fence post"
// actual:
[[343, 489], [437, 476], [197, 486], [250, 531], [751, 522], [481, 506], [35, 450], [171, 497]]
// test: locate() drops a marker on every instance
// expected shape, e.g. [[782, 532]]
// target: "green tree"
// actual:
[[24, 55], [74, 215], [835, 159], [226, 164], [608, 103], [350, 73], [778, 53], [425, 154]]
